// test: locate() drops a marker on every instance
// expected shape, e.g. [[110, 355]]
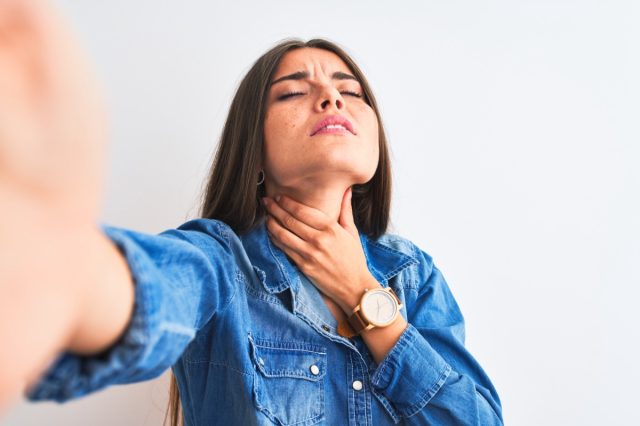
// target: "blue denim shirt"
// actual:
[[251, 341]]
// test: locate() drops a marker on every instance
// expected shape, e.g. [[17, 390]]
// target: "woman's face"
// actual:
[[312, 85]]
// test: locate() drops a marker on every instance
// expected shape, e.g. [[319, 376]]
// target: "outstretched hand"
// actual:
[[329, 253], [51, 118]]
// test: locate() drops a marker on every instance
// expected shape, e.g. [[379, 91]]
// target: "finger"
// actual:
[[293, 255], [285, 237], [346, 214], [312, 217], [289, 221]]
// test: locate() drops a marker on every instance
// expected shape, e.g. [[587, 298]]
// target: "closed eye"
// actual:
[[293, 94], [354, 94], [289, 95]]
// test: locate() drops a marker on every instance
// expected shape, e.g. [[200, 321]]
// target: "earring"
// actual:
[[261, 179]]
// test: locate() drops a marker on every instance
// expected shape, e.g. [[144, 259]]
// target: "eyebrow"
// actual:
[[301, 75]]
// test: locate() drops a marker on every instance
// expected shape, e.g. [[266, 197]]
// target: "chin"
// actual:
[[360, 173], [354, 172]]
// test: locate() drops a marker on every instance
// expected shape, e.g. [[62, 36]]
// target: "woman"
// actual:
[[286, 303]]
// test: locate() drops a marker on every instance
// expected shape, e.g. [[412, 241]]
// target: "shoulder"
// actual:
[[421, 264], [407, 247], [205, 233], [211, 227]]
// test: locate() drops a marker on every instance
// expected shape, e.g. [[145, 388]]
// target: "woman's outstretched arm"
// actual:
[[62, 287], [83, 306], [63, 284]]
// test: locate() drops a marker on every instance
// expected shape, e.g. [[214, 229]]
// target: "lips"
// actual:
[[335, 121]]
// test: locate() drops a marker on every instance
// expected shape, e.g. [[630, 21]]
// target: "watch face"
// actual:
[[379, 307]]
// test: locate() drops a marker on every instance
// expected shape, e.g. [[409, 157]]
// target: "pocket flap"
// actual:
[[289, 359]]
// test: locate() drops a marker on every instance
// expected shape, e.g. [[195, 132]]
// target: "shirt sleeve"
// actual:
[[429, 377], [182, 278]]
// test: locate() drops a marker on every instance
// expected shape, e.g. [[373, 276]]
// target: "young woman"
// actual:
[[286, 302]]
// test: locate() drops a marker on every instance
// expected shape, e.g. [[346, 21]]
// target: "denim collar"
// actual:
[[383, 261]]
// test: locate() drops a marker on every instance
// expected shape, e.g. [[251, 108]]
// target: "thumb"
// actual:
[[346, 214]]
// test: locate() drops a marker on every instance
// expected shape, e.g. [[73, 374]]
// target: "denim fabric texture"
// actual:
[[251, 341]]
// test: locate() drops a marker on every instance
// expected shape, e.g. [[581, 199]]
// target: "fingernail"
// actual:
[[264, 201], [277, 197]]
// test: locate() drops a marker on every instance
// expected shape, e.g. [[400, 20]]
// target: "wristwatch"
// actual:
[[377, 308]]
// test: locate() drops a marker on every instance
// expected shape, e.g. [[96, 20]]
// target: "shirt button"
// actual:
[[357, 385], [315, 370]]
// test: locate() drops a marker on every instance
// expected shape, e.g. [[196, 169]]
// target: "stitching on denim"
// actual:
[[218, 364], [238, 276], [293, 348], [424, 400], [405, 339], [366, 258], [319, 384], [282, 285], [387, 405], [326, 334], [394, 250], [391, 238], [400, 281], [428, 266], [259, 292], [320, 405], [351, 392], [416, 283], [290, 345], [399, 268], [368, 412], [394, 272], [315, 317], [294, 374], [304, 422], [262, 296], [397, 271]]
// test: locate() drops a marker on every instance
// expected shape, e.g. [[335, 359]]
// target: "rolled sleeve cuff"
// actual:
[[145, 349], [411, 373]]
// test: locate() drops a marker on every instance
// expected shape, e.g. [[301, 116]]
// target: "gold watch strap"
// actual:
[[357, 322], [353, 325], [345, 330]]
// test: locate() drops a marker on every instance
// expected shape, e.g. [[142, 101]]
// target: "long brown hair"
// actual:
[[231, 194]]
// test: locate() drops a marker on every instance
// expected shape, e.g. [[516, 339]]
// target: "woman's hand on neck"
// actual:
[[326, 197]]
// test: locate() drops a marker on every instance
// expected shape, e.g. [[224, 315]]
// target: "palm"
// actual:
[[51, 123]]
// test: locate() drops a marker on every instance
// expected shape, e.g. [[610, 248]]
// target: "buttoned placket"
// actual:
[[357, 379]]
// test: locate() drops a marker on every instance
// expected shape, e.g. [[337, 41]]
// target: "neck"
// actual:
[[326, 197]]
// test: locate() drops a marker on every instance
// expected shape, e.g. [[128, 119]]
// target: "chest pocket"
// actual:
[[289, 380]]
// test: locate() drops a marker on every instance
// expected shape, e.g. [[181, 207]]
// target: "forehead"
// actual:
[[310, 59]]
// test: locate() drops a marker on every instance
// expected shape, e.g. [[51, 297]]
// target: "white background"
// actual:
[[514, 132]]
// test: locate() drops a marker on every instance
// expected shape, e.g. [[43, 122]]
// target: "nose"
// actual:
[[329, 97]]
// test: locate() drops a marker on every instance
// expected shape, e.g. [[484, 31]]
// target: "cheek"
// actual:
[[281, 136], [372, 134], [281, 126]]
